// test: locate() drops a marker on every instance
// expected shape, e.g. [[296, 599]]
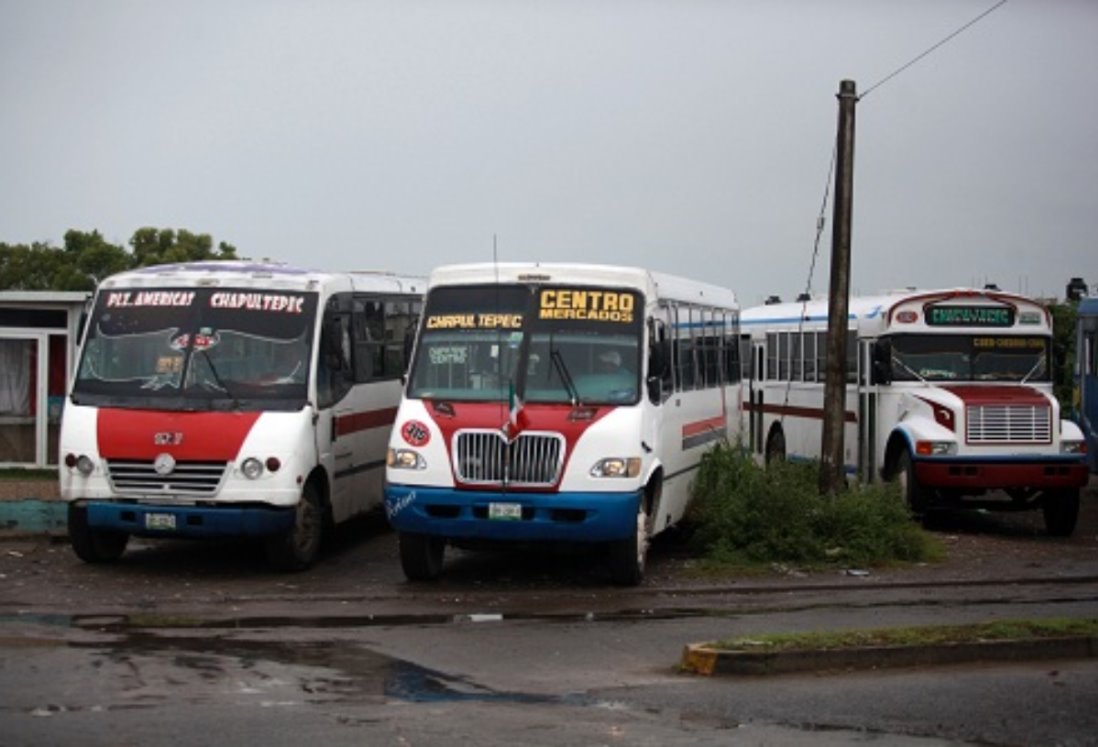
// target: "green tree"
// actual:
[[1063, 351], [155, 246], [86, 257], [89, 259]]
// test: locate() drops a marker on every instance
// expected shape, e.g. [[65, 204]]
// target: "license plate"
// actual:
[[505, 511], [160, 521]]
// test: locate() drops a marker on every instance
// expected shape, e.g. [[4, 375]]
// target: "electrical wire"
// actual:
[[821, 221], [905, 66]]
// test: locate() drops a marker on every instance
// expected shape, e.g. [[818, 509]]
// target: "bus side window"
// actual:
[[335, 374], [882, 362], [660, 383], [400, 325], [369, 324]]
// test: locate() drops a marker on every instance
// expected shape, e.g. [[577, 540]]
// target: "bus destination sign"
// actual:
[[970, 316]]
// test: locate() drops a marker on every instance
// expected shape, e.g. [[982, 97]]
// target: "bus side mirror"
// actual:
[[659, 359], [882, 362], [655, 389], [331, 344]]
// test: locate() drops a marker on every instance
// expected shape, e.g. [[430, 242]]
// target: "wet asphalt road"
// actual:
[[193, 643]]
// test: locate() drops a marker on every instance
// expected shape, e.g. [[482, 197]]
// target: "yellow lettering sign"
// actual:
[[587, 305]]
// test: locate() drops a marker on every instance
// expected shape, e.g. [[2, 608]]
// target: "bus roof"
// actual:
[[876, 312], [258, 274], [656, 285]]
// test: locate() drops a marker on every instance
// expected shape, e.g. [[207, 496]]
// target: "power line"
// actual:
[[900, 69]]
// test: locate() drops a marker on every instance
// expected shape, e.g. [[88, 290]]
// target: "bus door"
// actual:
[[867, 413], [755, 395], [335, 427]]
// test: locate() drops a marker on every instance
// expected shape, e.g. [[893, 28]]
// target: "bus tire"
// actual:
[[915, 495], [297, 548], [628, 557], [775, 446], [421, 556], [94, 545], [1061, 510]]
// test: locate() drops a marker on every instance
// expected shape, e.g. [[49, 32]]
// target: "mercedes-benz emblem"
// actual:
[[164, 464]]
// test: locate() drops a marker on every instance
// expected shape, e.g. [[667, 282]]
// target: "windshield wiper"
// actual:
[[908, 368], [1040, 364], [565, 377], [220, 382]]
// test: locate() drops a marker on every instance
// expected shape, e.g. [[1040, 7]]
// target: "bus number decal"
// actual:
[[415, 433]]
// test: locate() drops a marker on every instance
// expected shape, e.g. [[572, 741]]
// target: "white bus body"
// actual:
[[586, 454], [950, 391], [233, 399]]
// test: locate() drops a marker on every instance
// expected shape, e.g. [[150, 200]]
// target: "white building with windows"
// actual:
[[38, 338]]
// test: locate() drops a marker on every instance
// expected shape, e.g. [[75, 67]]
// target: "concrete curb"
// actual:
[[704, 659], [33, 516]]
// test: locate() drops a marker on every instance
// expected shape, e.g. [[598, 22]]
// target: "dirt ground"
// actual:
[[979, 544]]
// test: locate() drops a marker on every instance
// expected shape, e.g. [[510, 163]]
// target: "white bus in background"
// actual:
[[558, 403], [233, 399], [950, 391]]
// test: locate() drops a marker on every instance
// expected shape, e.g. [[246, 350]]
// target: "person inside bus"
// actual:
[[616, 381]]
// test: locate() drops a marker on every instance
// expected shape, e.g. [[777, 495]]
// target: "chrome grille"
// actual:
[[1009, 424], [485, 457], [188, 478]]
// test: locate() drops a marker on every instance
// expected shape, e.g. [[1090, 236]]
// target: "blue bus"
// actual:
[[1086, 376]]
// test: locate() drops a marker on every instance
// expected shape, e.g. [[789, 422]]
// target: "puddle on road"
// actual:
[[325, 670]]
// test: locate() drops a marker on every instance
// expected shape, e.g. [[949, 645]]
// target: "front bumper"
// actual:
[[960, 472], [188, 521], [548, 517]]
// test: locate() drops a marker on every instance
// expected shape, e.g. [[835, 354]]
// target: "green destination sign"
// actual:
[[970, 316]]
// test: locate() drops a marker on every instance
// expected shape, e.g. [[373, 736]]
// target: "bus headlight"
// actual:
[[935, 448], [83, 463], [1073, 447], [252, 468], [404, 459], [617, 467]]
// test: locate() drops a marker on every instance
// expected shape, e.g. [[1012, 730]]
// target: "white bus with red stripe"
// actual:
[[949, 391], [558, 403], [233, 399]]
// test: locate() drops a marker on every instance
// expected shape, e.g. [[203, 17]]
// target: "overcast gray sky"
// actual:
[[687, 136]]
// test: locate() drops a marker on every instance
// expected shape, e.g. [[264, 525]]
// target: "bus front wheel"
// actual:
[[915, 495], [297, 548], [1061, 510], [421, 556], [629, 556], [94, 545], [775, 446]]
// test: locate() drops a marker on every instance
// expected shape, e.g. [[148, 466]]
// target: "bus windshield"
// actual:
[[969, 358], [573, 344], [197, 349]]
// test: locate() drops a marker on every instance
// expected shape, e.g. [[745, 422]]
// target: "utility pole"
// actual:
[[838, 308]]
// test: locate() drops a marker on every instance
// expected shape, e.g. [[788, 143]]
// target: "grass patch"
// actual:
[[913, 636], [746, 515], [17, 473]]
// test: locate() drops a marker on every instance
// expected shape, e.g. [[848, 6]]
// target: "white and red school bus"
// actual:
[[233, 399], [949, 391], [558, 403]]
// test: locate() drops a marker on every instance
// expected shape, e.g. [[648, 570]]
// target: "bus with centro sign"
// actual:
[[948, 391], [217, 399], [558, 403]]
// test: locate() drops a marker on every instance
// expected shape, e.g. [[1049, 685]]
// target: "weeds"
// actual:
[[750, 515], [914, 636]]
